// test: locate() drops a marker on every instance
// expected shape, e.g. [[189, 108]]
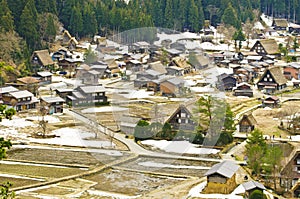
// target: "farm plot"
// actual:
[[169, 166], [66, 156], [130, 183]]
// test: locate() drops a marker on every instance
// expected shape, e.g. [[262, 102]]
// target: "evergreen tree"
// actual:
[[256, 149], [76, 22], [67, 8], [28, 27], [90, 22], [6, 18], [50, 31], [193, 17], [200, 13], [42, 6], [230, 17], [16, 8], [168, 19]]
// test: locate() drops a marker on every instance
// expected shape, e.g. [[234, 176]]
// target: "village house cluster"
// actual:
[[171, 67]]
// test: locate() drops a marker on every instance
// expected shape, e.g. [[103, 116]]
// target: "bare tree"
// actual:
[[229, 32], [43, 123], [248, 28]]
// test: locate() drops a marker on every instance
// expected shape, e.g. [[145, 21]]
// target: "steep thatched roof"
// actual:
[[28, 80], [250, 118], [44, 57], [158, 66], [181, 62], [280, 23], [277, 75], [270, 46]]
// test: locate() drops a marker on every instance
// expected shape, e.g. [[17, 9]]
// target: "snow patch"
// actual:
[[17, 122], [73, 137], [48, 118], [179, 147], [162, 165]]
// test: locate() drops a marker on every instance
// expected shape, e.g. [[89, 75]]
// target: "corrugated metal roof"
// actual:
[[49, 99], [252, 185], [21, 94], [226, 168], [92, 89], [8, 89]]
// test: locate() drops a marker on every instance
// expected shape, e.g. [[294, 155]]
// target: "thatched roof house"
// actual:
[[272, 80], [41, 58], [266, 47], [280, 24]]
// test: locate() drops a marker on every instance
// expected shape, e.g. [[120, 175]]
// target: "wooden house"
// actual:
[[243, 89], [86, 75], [290, 173], [247, 188], [272, 80], [28, 83], [41, 59], [20, 100], [175, 71], [6, 90], [221, 178], [280, 24], [172, 87], [87, 95], [134, 65], [44, 77], [143, 77], [226, 82], [140, 47], [247, 123], [63, 93], [294, 28], [182, 119], [173, 52], [158, 66], [53, 104], [272, 102], [199, 61], [292, 70], [182, 63], [266, 47]]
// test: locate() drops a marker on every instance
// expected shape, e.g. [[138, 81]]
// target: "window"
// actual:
[[268, 75], [265, 79], [28, 98], [270, 79], [186, 121], [179, 121], [183, 114]]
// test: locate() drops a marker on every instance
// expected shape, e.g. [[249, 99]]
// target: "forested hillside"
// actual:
[[33, 24]]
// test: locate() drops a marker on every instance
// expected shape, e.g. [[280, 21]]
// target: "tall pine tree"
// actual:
[[28, 27], [76, 22], [6, 18]]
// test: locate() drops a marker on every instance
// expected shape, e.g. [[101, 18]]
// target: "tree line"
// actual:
[[28, 25]]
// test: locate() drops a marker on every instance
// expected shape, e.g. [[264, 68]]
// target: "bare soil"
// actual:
[[129, 183], [169, 171], [84, 158], [269, 120]]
